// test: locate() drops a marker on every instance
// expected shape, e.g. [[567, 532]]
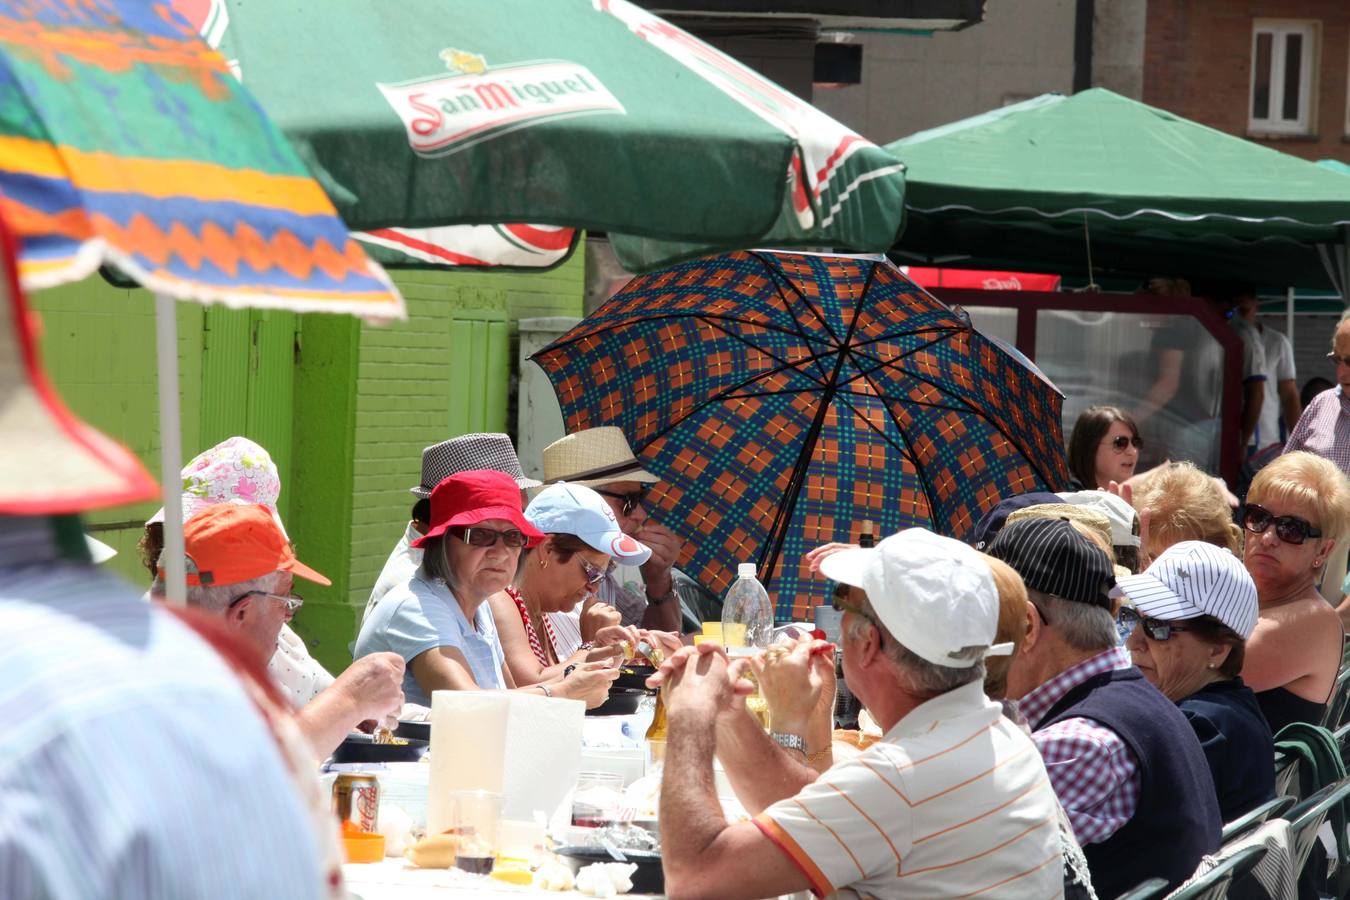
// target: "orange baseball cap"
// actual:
[[234, 542]]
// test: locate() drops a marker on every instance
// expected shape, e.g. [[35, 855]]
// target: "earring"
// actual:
[[1211, 665], [543, 563], [1317, 564]]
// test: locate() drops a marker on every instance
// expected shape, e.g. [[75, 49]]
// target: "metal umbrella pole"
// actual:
[[170, 449]]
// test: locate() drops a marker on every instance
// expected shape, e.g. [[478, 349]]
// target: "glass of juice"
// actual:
[[476, 819]]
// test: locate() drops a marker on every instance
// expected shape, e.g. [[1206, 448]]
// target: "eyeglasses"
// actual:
[[841, 606], [1290, 529], [631, 500], [593, 575], [293, 601], [1120, 442], [1155, 629], [1339, 360], [487, 537]]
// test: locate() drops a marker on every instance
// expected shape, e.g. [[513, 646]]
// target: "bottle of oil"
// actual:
[[846, 706]]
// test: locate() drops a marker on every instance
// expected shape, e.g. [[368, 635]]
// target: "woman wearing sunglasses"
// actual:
[[1104, 447], [1298, 506], [1194, 609], [582, 540], [439, 620]]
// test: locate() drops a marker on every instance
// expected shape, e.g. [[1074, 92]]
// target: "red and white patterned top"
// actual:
[[530, 634]]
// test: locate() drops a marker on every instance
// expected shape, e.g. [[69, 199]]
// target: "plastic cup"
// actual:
[[597, 798], [476, 817], [712, 631]]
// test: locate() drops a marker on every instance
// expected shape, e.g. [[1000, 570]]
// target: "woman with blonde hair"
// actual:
[[1297, 508], [1178, 502]]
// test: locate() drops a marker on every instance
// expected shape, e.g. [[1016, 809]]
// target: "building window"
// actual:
[[1283, 56]]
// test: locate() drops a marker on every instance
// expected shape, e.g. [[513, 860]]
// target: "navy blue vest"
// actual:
[[1177, 818]]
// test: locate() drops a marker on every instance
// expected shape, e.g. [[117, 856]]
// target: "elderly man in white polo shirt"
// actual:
[[953, 801]]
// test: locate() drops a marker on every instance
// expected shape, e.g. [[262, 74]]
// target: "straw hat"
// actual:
[[594, 457], [52, 462]]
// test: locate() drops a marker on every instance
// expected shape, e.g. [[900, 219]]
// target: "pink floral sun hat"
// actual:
[[236, 469]]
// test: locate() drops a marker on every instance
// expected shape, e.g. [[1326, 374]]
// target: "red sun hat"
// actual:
[[477, 495]]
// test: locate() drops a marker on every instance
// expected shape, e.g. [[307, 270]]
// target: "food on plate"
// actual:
[[605, 879], [553, 876], [435, 851]]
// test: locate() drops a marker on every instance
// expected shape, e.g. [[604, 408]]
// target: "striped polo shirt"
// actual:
[[953, 802]]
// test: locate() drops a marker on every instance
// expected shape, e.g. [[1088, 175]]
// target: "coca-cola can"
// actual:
[[356, 799]]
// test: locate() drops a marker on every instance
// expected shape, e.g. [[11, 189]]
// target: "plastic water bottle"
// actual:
[[747, 614]]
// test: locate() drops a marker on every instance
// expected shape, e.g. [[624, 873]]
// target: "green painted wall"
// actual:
[[343, 407]]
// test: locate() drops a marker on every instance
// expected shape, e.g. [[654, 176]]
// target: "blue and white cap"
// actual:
[[1194, 578], [575, 509]]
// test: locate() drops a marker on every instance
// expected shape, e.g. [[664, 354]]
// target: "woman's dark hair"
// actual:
[[421, 511], [565, 545], [151, 545], [1092, 425], [1208, 628]]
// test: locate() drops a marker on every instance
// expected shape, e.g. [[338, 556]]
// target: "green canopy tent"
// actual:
[[1103, 183]]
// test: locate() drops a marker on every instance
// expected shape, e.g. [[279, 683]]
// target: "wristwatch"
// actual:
[[789, 741], [664, 598]]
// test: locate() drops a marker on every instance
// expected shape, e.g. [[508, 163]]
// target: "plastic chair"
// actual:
[[1286, 770], [1308, 816], [1146, 890], [1213, 885], [1340, 699], [1342, 736], [1245, 823]]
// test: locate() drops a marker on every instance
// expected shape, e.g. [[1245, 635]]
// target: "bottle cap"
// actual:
[[745, 570]]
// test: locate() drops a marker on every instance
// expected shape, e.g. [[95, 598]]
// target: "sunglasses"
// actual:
[[631, 500], [1339, 360], [1120, 442], [487, 537], [841, 606], [1155, 629], [593, 575], [1290, 529], [293, 602]]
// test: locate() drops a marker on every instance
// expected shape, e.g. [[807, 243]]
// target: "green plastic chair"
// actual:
[[1334, 716], [1286, 770], [1245, 823], [1308, 816], [1146, 890], [1213, 885]]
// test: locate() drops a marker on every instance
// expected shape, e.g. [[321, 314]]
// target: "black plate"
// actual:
[[635, 677], [621, 702], [420, 731], [361, 748], [648, 879]]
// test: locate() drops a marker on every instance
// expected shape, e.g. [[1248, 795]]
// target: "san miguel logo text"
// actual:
[[443, 114]]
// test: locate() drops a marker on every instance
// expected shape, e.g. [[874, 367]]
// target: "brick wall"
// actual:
[[1197, 63]]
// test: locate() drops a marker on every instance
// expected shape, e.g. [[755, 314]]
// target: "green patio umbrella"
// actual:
[[1044, 183], [583, 114]]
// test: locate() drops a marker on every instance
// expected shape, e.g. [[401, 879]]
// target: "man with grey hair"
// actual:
[[1125, 763], [953, 801], [241, 568]]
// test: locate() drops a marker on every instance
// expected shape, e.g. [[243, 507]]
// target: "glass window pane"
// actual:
[[1261, 77], [1116, 359], [1293, 67], [995, 321]]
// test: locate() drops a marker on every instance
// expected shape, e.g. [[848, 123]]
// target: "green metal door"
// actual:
[[248, 383], [480, 365]]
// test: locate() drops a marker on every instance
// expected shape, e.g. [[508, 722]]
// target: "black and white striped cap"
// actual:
[[1053, 558], [1193, 578], [484, 450]]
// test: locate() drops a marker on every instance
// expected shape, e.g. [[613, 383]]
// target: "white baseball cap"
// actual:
[[1124, 520], [1195, 578], [935, 595], [575, 509]]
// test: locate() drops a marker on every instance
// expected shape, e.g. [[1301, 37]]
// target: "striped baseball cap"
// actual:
[[1053, 558], [1195, 578]]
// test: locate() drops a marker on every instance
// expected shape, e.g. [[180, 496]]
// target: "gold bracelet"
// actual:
[[813, 757]]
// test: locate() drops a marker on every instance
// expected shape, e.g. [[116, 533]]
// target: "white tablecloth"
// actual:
[[394, 879]]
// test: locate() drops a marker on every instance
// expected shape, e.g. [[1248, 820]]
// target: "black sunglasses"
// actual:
[[1290, 529], [486, 537], [1156, 629], [631, 500], [1120, 442]]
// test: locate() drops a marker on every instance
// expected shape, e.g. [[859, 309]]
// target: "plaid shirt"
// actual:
[[1324, 429], [1093, 772]]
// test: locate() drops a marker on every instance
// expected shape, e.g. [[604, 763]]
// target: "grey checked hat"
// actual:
[[484, 450], [1053, 558]]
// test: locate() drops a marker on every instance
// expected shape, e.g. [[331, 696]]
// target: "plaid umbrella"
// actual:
[[785, 398]]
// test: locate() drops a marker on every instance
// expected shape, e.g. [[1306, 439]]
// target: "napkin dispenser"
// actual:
[[526, 748]]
